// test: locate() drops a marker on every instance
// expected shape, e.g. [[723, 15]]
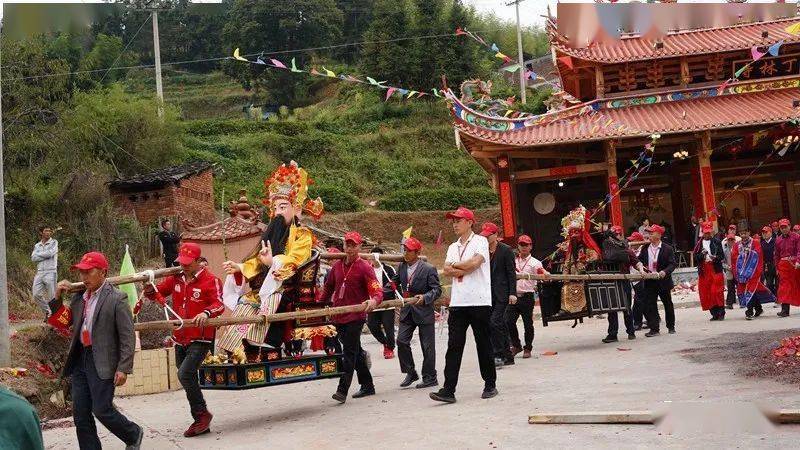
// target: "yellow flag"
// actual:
[[236, 55], [407, 233], [794, 28]]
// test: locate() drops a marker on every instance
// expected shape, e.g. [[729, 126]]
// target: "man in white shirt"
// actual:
[[525, 263], [45, 255], [467, 262]]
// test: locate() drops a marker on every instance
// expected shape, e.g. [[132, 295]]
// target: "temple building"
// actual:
[[720, 107]]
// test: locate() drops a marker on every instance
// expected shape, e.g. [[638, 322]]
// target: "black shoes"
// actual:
[[609, 339], [672, 330], [652, 333], [759, 312], [442, 396], [498, 363], [426, 384], [729, 306], [489, 393], [410, 378], [339, 397], [631, 337], [508, 361], [364, 392]]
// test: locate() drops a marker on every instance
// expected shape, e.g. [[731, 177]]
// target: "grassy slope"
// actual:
[[348, 138]]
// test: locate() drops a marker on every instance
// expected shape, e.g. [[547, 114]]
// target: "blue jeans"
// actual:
[[93, 397]]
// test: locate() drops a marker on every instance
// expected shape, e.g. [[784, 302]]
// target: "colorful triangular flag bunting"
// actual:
[[237, 57], [294, 67], [775, 48], [756, 54]]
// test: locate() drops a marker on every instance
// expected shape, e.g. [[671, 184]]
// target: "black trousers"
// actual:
[[381, 325], [354, 358], [427, 339], [730, 296], [499, 330], [637, 311], [188, 360], [770, 277], [652, 292], [717, 311], [93, 397], [524, 308], [613, 317], [460, 319]]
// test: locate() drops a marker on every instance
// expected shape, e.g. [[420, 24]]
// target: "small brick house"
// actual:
[[185, 192]]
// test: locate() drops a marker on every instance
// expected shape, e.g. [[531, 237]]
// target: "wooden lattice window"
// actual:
[[627, 78]]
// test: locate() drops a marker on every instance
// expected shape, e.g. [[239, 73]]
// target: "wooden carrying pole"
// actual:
[[278, 317], [369, 257], [589, 277], [126, 279]]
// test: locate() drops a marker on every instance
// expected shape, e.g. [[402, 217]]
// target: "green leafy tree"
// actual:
[[430, 64], [357, 15], [391, 61], [105, 63], [280, 26], [462, 57]]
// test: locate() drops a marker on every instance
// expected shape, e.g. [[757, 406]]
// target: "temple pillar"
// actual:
[[613, 182], [706, 178], [505, 191]]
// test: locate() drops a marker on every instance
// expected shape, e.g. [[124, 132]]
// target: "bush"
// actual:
[[336, 198], [438, 199]]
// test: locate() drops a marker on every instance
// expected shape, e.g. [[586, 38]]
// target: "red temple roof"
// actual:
[[232, 228], [745, 104], [681, 43]]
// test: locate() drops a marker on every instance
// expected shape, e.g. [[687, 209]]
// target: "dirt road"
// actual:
[[584, 375]]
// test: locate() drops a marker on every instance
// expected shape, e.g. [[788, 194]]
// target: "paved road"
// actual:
[[585, 375]]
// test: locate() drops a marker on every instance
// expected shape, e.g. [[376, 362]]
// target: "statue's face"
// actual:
[[284, 208]]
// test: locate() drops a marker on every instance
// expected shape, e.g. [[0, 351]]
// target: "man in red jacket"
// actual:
[[196, 297], [352, 281]]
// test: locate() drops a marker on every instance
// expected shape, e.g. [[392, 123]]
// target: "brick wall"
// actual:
[[146, 206], [154, 371], [194, 199]]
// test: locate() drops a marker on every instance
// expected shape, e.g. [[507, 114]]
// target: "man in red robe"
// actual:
[[787, 262], [747, 261], [709, 255]]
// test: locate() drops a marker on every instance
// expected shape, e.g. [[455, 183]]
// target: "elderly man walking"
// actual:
[[45, 255]]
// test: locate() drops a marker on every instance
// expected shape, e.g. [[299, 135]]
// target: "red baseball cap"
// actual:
[[524, 239], [765, 229], [784, 223], [657, 229], [616, 229], [412, 244], [636, 237], [92, 260], [489, 229], [353, 237], [707, 227], [188, 253], [461, 213]]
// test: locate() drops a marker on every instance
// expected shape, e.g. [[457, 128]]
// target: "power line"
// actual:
[[124, 50], [275, 52]]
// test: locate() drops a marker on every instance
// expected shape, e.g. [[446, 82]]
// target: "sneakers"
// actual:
[[442, 396], [388, 353], [652, 333], [759, 312], [489, 393], [201, 425], [609, 339], [364, 392], [339, 397], [410, 378], [526, 354], [427, 383]]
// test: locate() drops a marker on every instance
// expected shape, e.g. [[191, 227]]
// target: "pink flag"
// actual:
[[722, 87], [756, 54], [439, 240], [277, 64], [389, 92]]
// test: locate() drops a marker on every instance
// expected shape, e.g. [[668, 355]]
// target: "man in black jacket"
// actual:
[[708, 256], [768, 247], [616, 250], [381, 323], [658, 257], [169, 243], [504, 291], [418, 280]]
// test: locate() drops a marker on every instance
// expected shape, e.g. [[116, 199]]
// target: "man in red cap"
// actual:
[[467, 262], [418, 280], [768, 248], [636, 240], [100, 354], [709, 256], [524, 263], [196, 297], [658, 257], [352, 281], [504, 292], [787, 263], [617, 251]]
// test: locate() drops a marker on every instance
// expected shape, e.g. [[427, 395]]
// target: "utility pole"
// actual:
[[5, 349], [522, 80], [157, 53]]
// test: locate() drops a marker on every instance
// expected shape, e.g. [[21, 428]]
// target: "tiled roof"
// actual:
[[682, 43], [162, 176], [706, 113], [233, 228]]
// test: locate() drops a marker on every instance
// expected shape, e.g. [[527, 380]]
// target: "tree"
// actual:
[[357, 15], [277, 28], [429, 21], [103, 64], [463, 58], [384, 59]]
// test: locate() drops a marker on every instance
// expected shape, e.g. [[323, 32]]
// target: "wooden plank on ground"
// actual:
[[598, 417]]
